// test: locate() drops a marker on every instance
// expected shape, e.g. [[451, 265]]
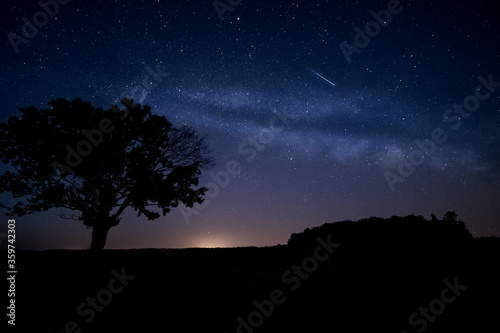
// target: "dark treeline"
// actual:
[[407, 230]]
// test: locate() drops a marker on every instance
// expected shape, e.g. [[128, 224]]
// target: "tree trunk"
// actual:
[[99, 235]]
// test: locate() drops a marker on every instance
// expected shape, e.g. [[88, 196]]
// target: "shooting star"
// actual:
[[321, 76]]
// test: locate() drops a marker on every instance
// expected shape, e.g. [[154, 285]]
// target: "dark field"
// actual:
[[362, 286]]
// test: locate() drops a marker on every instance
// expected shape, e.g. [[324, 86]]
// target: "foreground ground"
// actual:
[[356, 288]]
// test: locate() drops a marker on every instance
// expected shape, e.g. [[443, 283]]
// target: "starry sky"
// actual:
[[332, 110]]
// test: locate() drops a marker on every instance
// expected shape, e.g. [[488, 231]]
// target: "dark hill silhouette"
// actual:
[[383, 271], [403, 231]]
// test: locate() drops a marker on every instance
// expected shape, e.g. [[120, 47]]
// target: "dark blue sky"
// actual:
[[318, 138]]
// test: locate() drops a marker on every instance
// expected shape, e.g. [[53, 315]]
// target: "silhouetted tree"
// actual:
[[450, 217], [460, 230], [97, 162]]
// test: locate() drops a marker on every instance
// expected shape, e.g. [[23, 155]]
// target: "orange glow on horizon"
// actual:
[[212, 241]]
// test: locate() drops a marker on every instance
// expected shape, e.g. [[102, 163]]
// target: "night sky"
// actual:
[[325, 122]]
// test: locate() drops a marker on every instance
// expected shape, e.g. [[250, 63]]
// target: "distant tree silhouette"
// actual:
[[97, 162], [450, 217], [406, 231]]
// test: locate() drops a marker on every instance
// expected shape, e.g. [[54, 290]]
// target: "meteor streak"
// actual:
[[321, 76]]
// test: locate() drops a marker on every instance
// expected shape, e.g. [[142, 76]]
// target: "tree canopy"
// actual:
[[96, 163]]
